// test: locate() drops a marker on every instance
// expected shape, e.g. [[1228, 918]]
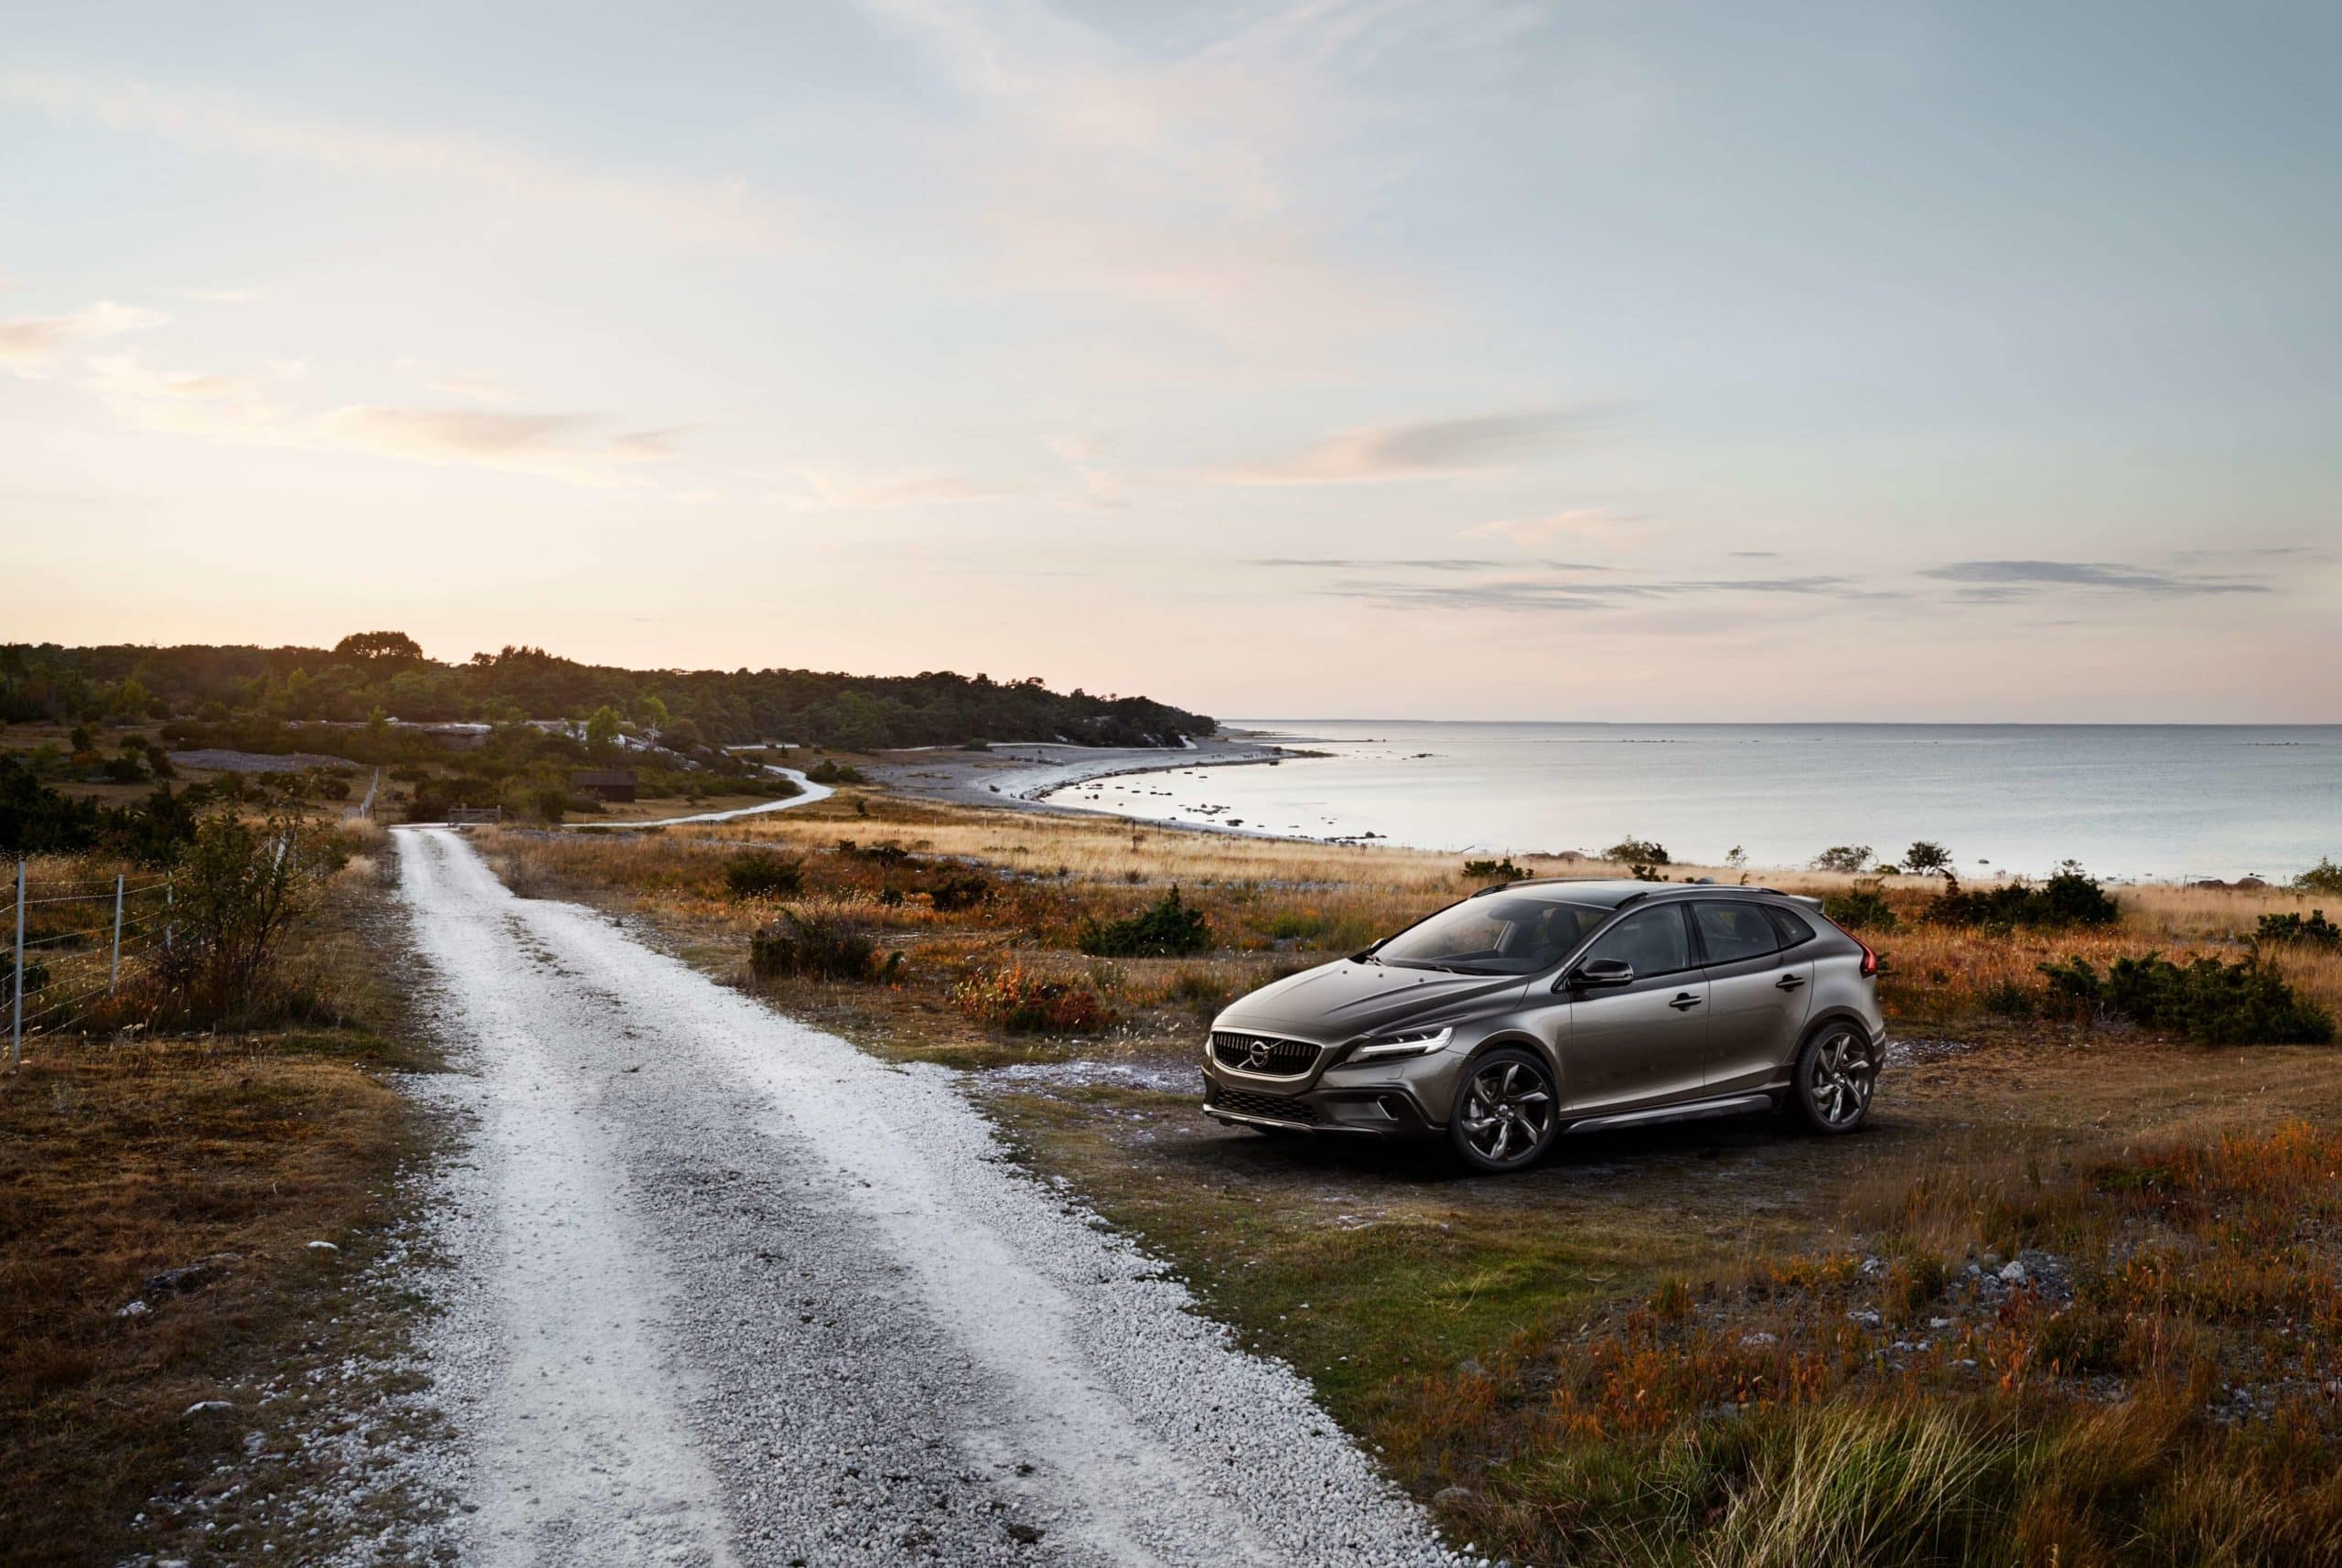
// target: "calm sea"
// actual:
[[2149, 801]]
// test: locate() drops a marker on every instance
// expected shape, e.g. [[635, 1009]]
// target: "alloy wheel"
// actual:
[[1840, 1081], [1508, 1109]]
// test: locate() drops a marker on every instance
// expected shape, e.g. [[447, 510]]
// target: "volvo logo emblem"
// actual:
[[1257, 1056]]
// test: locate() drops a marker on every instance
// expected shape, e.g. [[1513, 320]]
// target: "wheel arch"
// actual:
[[1827, 1017], [1521, 1040]]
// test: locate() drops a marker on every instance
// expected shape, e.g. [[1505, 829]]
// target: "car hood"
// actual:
[[1339, 1000]]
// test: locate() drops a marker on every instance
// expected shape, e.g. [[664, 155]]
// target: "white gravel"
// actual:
[[806, 793], [726, 1290]]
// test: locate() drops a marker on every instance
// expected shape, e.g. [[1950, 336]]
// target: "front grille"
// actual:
[[1276, 1105], [1263, 1053]]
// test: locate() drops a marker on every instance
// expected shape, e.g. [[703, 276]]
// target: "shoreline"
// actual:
[[1020, 776], [1023, 776]]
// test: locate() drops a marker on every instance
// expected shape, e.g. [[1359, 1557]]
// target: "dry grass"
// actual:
[[125, 1157], [2160, 1389]]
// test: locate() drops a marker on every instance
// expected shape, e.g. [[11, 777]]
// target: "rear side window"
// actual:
[[1653, 940], [1732, 932], [1793, 929]]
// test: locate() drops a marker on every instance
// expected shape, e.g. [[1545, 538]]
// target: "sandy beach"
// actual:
[[1021, 775]]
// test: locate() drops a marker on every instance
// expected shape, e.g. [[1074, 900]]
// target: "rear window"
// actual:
[[1793, 929], [1732, 932]]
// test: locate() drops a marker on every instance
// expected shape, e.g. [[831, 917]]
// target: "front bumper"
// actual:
[[1383, 1111]]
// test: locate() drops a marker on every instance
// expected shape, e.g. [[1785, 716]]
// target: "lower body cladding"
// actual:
[[1375, 1112], [1393, 1113]]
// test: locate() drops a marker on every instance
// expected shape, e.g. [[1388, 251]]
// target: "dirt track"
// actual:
[[727, 1291]]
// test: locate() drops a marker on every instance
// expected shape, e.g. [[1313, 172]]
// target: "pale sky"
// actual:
[[1376, 359]]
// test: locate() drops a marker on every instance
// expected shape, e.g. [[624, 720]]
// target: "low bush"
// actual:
[[238, 893], [886, 854], [1862, 906], [830, 770], [1170, 928], [2292, 930], [2071, 897], [1493, 870], [1025, 1004], [959, 890], [1632, 850], [819, 947], [2210, 1002], [2324, 877], [763, 874]]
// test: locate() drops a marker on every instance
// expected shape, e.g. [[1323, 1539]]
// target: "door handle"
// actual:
[[1789, 983], [1684, 1002]]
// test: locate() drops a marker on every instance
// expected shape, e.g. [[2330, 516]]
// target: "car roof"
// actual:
[[1611, 892]]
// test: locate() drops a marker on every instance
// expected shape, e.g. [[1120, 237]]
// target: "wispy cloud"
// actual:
[[479, 389], [1171, 183], [1518, 592], [709, 211], [1543, 532], [27, 342], [575, 448], [1989, 580], [1414, 450], [1455, 565]]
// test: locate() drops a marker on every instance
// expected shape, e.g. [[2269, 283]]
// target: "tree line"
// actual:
[[384, 675]]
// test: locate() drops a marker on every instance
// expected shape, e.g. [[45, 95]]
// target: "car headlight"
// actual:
[[1408, 1043]]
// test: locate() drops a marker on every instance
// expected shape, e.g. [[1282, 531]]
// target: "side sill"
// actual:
[[1694, 1110]]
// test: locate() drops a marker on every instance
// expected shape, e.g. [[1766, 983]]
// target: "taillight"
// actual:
[[1870, 959]]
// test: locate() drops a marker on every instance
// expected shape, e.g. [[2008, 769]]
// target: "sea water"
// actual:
[[2177, 802]]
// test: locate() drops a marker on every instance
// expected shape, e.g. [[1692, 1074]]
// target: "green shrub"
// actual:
[[822, 947], [2009, 999], [2071, 897], [1493, 870], [763, 874], [2317, 932], [1862, 906], [830, 770], [2210, 1002], [1844, 857], [1171, 928], [1632, 850], [2324, 877], [238, 893], [1928, 858]]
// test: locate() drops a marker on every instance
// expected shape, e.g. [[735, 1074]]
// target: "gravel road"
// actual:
[[725, 1290]]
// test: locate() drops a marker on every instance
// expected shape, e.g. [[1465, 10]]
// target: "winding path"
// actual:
[[806, 793]]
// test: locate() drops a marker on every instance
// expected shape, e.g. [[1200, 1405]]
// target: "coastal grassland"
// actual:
[[125, 1154], [1641, 1351]]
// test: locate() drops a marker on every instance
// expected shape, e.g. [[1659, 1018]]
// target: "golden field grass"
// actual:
[[1640, 1352], [123, 1155]]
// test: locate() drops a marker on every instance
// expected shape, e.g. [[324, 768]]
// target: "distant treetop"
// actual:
[[386, 645]]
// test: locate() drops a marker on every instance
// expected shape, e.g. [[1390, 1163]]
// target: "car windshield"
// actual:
[[1497, 934]]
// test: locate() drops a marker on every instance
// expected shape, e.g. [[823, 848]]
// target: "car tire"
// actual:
[[1834, 1079], [1507, 1111]]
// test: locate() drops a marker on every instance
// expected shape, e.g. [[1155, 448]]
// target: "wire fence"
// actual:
[[75, 948]]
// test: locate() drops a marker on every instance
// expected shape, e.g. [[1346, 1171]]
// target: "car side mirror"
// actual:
[[1598, 973]]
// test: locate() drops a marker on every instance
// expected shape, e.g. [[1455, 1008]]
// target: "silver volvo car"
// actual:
[[1536, 1008]]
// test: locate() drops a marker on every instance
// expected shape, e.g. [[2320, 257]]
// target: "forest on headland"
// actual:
[[383, 677]]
